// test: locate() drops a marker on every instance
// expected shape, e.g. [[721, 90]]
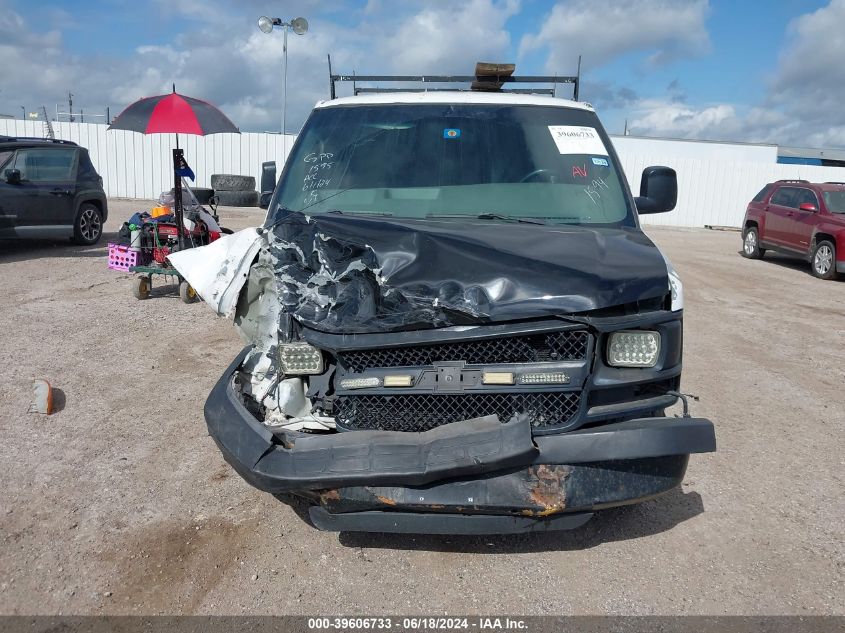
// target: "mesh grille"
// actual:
[[552, 346], [422, 412]]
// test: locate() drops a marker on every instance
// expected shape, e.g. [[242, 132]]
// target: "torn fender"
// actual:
[[219, 270]]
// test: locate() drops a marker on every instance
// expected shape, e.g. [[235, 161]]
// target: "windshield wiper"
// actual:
[[488, 216], [379, 213]]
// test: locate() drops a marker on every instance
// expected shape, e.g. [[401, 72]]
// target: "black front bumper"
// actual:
[[478, 476]]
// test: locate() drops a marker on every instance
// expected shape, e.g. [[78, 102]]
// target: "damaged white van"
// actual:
[[455, 321]]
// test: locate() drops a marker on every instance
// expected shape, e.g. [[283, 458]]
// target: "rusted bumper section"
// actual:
[[549, 496], [496, 476]]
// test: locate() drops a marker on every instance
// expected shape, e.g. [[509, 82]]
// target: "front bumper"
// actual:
[[478, 476]]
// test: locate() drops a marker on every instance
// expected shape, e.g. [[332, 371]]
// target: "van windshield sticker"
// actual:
[[601, 162], [451, 132], [577, 139]]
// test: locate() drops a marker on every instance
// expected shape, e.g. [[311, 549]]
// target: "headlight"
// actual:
[[634, 348], [300, 358]]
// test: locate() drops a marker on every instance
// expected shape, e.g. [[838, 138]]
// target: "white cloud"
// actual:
[[802, 106], [443, 38], [677, 120], [810, 81], [222, 57], [602, 30]]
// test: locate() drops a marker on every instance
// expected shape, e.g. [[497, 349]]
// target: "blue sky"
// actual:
[[744, 69]]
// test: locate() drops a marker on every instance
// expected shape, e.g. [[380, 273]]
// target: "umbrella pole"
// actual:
[[177, 194]]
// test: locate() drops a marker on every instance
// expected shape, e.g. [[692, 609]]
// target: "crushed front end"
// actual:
[[398, 398]]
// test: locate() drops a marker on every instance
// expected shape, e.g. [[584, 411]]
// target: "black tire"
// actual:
[[203, 194], [232, 182], [186, 293], [237, 198], [88, 226], [751, 244], [140, 287], [823, 261]]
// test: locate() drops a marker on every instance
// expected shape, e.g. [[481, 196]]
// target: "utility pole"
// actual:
[[70, 106]]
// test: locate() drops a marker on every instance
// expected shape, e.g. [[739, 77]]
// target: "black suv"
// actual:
[[50, 189]]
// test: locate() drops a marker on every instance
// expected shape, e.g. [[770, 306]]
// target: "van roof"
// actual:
[[458, 96]]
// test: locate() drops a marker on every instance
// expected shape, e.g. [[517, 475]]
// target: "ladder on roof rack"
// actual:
[[488, 78]]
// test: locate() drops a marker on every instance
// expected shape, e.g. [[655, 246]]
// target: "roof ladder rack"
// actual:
[[489, 77]]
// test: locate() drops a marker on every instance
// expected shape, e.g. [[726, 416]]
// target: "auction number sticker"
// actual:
[[577, 139]]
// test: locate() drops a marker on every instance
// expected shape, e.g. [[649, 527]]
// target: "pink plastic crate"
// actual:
[[122, 257]]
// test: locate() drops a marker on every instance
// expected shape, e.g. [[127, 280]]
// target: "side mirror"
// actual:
[[658, 190], [268, 183], [808, 206], [13, 176]]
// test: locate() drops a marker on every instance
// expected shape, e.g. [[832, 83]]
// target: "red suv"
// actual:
[[799, 218]]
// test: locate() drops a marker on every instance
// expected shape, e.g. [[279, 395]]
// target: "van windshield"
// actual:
[[440, 161]]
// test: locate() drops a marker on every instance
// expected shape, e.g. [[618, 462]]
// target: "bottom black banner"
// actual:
[[424, 624]]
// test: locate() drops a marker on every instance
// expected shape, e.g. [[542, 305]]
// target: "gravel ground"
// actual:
[[121, 503]]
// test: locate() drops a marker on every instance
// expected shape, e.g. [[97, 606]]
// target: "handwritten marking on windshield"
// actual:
[[595, 188], [317, 157], [314, 179], [579, 172]]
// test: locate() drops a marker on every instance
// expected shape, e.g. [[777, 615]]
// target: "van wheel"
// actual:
[[751, 244], [88, 227], [824, 260]]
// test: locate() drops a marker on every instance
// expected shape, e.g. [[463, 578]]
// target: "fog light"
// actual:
[[398, 381], [497, 378], [360, 383], [633, 348], [543, 378], [300, 358]]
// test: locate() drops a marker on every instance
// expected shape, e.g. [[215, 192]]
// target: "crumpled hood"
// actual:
[[355, 274]]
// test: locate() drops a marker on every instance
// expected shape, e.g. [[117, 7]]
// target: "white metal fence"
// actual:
[[712, 191], [140, 166]]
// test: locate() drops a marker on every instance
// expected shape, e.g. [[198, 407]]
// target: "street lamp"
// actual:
[[298, 26]]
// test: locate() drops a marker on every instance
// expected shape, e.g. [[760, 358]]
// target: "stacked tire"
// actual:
[[232, 190]]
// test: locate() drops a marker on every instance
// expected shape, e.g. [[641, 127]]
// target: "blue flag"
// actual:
[[184, 169]]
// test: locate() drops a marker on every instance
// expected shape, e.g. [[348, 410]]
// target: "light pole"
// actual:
[[298, 26]]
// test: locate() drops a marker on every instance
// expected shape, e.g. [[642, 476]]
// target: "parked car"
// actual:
[[798, 218], [50, 189], [456, 322]]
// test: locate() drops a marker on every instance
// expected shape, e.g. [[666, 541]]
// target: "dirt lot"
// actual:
[[120, 503]]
